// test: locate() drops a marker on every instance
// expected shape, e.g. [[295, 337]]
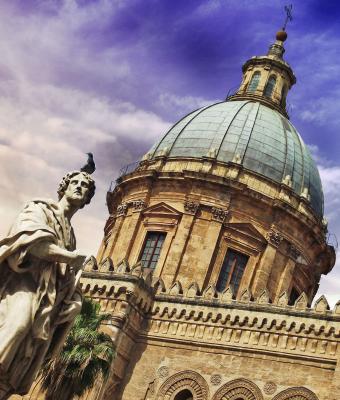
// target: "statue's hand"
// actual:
[[78, 261]]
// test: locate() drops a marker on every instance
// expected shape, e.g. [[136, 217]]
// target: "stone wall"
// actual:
[[178, 337]]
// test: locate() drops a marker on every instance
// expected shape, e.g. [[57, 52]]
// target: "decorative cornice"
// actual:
[[218, 214], [122, 210], [191, 207], [274, 237], [96, 277], [138, 205]]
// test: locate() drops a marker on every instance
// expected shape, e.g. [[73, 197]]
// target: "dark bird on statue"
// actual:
[[90, 166]]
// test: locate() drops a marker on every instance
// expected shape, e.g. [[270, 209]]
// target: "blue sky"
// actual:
[[110, 76]]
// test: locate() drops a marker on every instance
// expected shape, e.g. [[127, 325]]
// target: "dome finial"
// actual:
[[282, 34]]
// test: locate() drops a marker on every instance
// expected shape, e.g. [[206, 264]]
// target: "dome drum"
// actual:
[[196, 206]]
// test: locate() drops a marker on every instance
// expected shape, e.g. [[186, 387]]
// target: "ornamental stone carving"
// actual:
[[238, 388], [219, 214], [270, 388], [191, 207], [163, 372], [122, 210], [274, 237], [299, 393], [138, 205], [184, 380], [216, 379]]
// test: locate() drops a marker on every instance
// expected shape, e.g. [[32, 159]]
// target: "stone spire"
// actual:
[[267, 79]]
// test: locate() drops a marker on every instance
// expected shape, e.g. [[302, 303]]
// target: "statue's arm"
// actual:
[[48, 251]]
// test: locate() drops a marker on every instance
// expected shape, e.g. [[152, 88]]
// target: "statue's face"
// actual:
[[77, 190]]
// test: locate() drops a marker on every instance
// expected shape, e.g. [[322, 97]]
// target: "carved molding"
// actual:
[[238, 388], [299, 393], [270, 388], [216, 379], [184, 380], [122, 210], [138, 205], [218, 214], [163, 372], [191, 207], [274, 237]]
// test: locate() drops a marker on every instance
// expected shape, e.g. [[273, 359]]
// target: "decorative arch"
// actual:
[[296, 393], [189, 380], [239, 389]]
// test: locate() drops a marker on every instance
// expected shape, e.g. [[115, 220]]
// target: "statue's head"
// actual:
[[82, 176]]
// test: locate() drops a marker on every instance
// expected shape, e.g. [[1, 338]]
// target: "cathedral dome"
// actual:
[[249, 133]]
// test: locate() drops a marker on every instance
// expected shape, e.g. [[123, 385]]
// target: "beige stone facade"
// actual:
[[174, 338]]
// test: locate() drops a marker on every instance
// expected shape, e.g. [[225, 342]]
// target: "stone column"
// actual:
[[267, 260], [115, 235], [177, 248], [127, 239], [286, 277]]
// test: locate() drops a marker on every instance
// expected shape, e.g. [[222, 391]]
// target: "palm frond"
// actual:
[[86, 357]]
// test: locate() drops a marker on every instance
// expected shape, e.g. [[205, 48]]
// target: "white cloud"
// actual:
[[330, 177], [49, 118], [182, 104]]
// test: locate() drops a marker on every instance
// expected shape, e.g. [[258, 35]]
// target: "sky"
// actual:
[[111, 76]]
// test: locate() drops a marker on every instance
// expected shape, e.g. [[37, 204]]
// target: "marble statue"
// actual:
[[39, 283]]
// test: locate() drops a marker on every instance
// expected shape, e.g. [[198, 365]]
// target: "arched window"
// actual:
[[268, 91], [254, 82], [238, 389], [184, 395]]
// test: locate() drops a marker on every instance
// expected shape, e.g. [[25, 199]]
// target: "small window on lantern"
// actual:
[[268, 91], [254, 82]]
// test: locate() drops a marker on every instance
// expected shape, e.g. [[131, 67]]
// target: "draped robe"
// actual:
[[33, 293]]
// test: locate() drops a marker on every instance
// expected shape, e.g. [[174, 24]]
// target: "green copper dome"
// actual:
[[258, 137]]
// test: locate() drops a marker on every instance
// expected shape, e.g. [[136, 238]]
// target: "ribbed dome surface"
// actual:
[[264, 141]]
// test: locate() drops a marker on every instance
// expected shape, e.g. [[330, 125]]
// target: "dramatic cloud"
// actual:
[[110, 76]]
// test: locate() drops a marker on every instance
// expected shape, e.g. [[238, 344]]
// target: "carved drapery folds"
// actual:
[[184, 380], [238, 388], [274, 237]]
